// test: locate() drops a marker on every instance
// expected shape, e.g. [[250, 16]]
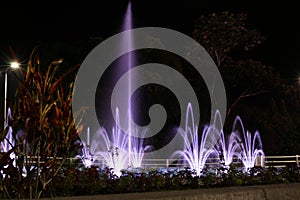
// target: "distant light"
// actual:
[[14, 65]]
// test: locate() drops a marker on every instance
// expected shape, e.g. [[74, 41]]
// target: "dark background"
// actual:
[[71, 31], [24, 27]]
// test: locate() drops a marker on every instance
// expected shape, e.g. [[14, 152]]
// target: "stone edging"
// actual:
[[268, 192]]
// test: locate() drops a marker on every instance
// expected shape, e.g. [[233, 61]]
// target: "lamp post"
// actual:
[[13, 65], [298, 89]]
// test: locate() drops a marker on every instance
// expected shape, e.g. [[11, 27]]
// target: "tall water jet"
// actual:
[[128, 43]]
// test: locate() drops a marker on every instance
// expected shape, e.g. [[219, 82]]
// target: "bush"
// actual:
[[91, 181]]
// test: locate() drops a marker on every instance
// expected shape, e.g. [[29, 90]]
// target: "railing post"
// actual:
[[257, 161], [262, 161], [167, 163], [297, 160]]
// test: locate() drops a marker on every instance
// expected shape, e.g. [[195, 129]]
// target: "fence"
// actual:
[[264, 161], [282, 161]]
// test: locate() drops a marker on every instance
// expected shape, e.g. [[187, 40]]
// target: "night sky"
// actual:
[[24, 27]]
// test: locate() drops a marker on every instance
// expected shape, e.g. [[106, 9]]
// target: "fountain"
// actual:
[[86, 156], [121, 149], [8, 143], [250, 149], [197, 152], [114, 151], [227, 148], [127, 25]]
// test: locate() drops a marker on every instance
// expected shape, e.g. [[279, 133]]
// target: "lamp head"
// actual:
[[14, 65]]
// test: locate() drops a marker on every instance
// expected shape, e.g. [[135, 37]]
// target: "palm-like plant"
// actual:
[[43, 113]]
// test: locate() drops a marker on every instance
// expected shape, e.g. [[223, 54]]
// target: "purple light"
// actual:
[[128, 43]]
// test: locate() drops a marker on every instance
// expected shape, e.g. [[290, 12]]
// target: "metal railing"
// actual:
[[282, 161], [264, 161]]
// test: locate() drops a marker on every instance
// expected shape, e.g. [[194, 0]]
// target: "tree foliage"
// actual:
[[221, 34], [255, 91]]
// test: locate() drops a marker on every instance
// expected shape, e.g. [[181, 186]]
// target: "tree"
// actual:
[[254, 91], [247, 78], [221, 34]]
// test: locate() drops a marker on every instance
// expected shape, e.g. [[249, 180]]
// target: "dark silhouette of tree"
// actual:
[[221, 34], [254, 90]]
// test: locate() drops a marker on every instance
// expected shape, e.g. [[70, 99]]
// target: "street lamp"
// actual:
[[13, 65]]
